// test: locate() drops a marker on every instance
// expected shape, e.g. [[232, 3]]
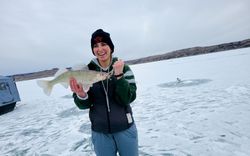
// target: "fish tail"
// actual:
[[46, 86]]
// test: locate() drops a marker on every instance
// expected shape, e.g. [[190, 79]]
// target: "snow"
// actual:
[[207, 113]]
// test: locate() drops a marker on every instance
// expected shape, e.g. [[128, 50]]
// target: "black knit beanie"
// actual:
[[101, 36]]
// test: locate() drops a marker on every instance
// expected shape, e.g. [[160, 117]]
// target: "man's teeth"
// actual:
[[102, 54]]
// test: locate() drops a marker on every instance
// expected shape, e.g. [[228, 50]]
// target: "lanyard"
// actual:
[[106, 92]]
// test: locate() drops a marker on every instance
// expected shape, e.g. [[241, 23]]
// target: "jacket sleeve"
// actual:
[[81, 104], [126, 87]]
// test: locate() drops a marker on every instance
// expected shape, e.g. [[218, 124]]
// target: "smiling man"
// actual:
[[108, 101]]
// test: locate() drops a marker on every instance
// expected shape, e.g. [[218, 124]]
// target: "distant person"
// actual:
[[178, 80], [108, 101]]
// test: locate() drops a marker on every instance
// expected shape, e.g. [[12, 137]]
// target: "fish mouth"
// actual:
[[106, 75]]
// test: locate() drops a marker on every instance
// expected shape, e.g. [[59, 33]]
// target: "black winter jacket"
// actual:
[[111, 113]]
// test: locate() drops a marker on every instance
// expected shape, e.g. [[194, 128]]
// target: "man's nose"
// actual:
[[99, 48]]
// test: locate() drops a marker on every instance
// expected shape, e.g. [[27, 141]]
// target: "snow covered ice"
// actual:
[[207, 113]]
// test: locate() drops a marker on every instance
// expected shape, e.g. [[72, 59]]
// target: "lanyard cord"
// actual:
[[106, 92]]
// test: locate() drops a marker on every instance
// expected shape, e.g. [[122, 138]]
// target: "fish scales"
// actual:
[[86, 77]]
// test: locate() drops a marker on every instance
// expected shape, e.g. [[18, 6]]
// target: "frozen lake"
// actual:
[[204, 113]]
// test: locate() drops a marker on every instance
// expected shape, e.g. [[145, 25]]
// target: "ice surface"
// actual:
[[206, 113]]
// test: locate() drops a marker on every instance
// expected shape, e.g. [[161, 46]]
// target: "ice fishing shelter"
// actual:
[[8, 94]]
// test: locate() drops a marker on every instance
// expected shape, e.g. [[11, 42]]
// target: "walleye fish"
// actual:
[[86, 77]]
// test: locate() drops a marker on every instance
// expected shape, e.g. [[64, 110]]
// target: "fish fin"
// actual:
[[60, 72], [64, 84], [86, 87], [46, 86], [80, 67]]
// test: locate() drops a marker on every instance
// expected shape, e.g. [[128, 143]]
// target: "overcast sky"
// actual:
[[43, 34]]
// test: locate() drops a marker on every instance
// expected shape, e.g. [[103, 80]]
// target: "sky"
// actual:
[[43, 34]]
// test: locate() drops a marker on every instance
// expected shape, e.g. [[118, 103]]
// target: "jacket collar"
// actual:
[[94, 62]]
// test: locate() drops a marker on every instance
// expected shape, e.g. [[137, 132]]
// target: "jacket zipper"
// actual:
[[106, 91], [107, 100], [107, 104]]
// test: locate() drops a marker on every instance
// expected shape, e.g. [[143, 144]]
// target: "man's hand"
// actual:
[[118, 68], [77, 88]]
